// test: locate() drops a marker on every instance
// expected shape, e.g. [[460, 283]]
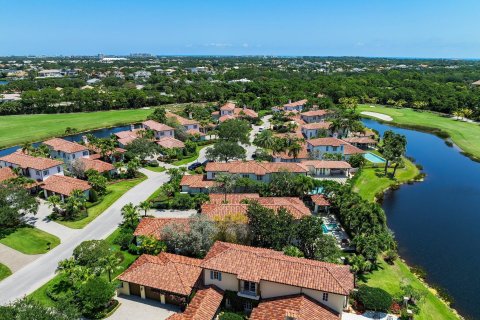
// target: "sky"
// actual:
[[373, 28]]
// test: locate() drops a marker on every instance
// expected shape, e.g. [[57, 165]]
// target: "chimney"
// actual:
[[132, 127], [244, 107], [289, 101], [84, 139], [190, 116]]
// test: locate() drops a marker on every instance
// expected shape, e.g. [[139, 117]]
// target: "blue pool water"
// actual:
[[329, 227], [317, 190], [372, 157]]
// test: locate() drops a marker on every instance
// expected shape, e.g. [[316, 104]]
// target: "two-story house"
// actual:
[[160, 130], [317, 148], [296, 106], [314, 116], [231, 111], [63, 186], [66, 150], [36, 168], [313, 129], [190, 126]]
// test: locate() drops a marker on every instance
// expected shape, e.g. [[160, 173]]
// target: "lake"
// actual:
[[99, 133], [436, 221]]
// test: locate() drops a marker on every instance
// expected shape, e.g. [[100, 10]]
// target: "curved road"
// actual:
[[38, 272]]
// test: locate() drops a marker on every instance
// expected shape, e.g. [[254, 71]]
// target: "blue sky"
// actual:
[[393, 28]]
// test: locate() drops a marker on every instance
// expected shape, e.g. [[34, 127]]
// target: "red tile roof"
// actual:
[[63, 145], [167, 272], [64, 185], [317, 125], [97, 165], [274, 266], [203, 306], [326, 142], [298, 307], [319, 199], [313, 113], [195, 132], [303, 154], [296, 103], [170, 143], [183, 121], [326, 164], [232, 197], [154, 125], [228, 106], [226, 117], [6, 174], [126, 137], [360, 140], [349, 149], [197, 181], [26, 161], [154, 226], [254, 167], [245, 111]]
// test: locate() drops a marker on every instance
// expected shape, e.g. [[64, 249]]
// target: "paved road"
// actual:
[[35, 274], [255, 130]]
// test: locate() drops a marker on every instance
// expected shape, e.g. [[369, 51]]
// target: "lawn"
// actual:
[[371, 181], [114, 191], [4, 271], [155, 169], [388, 277], [189, 159], [461, 133], [30, 240], [40, 294]]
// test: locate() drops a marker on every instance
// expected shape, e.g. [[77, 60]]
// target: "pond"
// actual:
[[99, 133], [436, 221]]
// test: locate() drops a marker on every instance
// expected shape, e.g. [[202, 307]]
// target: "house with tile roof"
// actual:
[[170, 143], [231, 111], [312, 130], [63, 186], [196, 183], [66, 150], [260, 279], [294, 107], [320, 168], [6, 174], [361, 142], [153, 227], [126, 137], [160, 130], [318, 147], [36, 168], [313, 116], [98, 165]]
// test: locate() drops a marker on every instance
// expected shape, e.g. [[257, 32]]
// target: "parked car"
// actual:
[[260, 129], [194, 166]]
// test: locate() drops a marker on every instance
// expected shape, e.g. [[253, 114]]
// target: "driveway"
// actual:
[[133, 307], [15, 260], [35, 274]]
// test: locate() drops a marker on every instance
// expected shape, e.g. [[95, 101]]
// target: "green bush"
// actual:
[[123, 239], [153, 164], [94, 296], [374, 298], [93, 196], [182, 201], [230, 316]]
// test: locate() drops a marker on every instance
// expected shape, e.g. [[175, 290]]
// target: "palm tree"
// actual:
[[226, 182], [110, 264], [294, 149], [130, 214], [145, 206], [265, 139], [75, 203], [26, 147], [53, 202]]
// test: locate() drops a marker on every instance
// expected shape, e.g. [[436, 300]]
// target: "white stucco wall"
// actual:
[[271, 289], [335, 301], [229, 281]]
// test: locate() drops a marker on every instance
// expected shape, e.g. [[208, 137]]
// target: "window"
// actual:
[[325, 296], [327, 148], [85, 153], [259, 178], [334, 148], [59, 169], [73, 156], [45, 172], [161, 133], [249, 286], [247, 305], [215, 275], [245, 176]]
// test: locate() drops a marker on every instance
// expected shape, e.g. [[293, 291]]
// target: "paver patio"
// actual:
[[133, 307]]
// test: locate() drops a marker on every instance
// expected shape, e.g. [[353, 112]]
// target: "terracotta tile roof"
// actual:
[[313, 113], [225, 118], [326, 164], [228, 106], [297, 119], [296, 103], [326, 142], [317, 125], [274, 266], [197, 181], [170, 143], [6, 174], [126, 137], [154, 125], [26, 161], [247, 112], [64, 185], [203, 306], [154, 226], [167, 272], [303, 154], [63, 145], [219, 210], [298, 307], [183, 121], [97, 165], [195, 132], [254, 167], [232, 197], [319, 199], [360, 140], [349, 149]]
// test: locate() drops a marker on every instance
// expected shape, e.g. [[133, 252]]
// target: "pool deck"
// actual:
[[339, 234]]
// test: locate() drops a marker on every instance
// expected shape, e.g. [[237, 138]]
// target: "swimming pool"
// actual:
[[317, 190], [372, 157], [329, 227]]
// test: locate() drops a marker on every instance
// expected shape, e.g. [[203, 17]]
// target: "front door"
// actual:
[[134, 289]]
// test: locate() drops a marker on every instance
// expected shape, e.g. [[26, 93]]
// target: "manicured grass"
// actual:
[[4, 271], [30, 240], [114, 191], [189, 159], [30, 128], [371, 181], [40, 294], [155, 169], [462, 133], [389, 277]]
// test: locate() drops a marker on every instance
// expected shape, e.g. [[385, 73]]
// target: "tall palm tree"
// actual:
[[26, 147], [130, 214], [145, 206], [226, 183], [111, 263], [294, 149], [265, 139], [53, 202]]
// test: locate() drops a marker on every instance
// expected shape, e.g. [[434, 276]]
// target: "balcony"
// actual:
[[248, 295]]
